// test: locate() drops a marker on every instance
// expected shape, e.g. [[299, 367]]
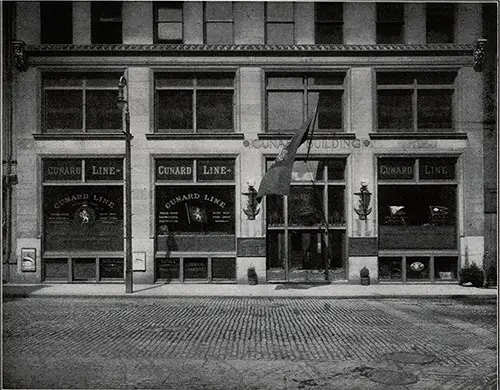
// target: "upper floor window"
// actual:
[[291, 98], [390, 22], [56, 21], [329, 22], [169, 22], [411, 101], [197, 103], [218, 23], [440, 23], [75, 102], [106, 22], [280, 23]]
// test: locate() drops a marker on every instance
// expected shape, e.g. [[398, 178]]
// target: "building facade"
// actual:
[[394, 175]]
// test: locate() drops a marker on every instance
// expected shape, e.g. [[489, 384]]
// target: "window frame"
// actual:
[[194, 87], [82, 78], [98, 24], [207, 22], [157, 5], [337, 23], [47, 15], [387, 21], [308, 87], [415, 87], [269, 21]]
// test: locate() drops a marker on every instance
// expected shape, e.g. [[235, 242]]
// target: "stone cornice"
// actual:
[[299, 50]]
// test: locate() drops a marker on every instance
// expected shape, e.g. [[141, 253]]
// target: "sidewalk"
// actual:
[[342, 290]]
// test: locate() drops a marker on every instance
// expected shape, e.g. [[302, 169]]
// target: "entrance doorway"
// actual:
[[306, 229]]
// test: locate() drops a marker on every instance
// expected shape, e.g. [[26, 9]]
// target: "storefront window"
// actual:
[[417, 203], [306, 229], [83, 214]]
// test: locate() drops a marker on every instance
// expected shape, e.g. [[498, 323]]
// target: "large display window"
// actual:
[[306, 229], [83, 219], [195, 213]]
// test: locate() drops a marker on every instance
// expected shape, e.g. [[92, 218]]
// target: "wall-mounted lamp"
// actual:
[[252, 205], [365, 196], [479, 54]]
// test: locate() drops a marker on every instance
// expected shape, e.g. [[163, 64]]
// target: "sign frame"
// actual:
[[28, 259], [139, 261]]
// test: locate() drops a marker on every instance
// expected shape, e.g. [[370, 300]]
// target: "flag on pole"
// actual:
[[277, 179]]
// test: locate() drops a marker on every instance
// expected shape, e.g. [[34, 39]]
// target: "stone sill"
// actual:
[[316, 135], [397, 135], [194, 136], [78, 136]]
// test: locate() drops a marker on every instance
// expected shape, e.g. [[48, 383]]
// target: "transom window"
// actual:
[[411, 101], [75, 102], [390, 22], [218, 23], [280, 23], [194, 103], [329, 22], [440, 23], [169, 22], [106, 22], [291, 98]]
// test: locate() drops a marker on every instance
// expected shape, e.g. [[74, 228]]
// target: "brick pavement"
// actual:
[[244, 343]]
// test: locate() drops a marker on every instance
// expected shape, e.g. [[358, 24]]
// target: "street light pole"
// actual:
[[123, 104]]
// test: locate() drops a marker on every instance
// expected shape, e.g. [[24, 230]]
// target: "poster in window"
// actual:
[[28, 260], [190, 209], [88, 218]]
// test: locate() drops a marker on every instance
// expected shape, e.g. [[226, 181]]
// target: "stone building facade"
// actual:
[[394, 175]]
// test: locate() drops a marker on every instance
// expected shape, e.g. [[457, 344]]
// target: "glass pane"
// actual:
[[196, 268], [389, 268], [307, 171], [434, 109], [329, 11], [171, 11], [336, 169], [84, 269], [167, 268], [285, 110], [56, 269], [305, 206], [330, 110], [219, 33], [336, 211], [417, 268], [111, 268], [431, 78], [56, 21], [280, 34], [102, 111], [64, 110], [285, 82], [329, 33], [276, 257], [394, 110], [327, 79], [390, 12], [219, 80], [174, 80], [170, 31], [224, 268], [445, 268], [218, 10], [214, 110], [389, 33], [175, 110], [336, 255], [395, 78], [306, 255], [279, 11], [437, 168], [417, 217], [274, 209]]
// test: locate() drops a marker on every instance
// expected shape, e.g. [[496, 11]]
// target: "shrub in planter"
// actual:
[[252, 276], [364, 275], [491, 275], [472, 274]]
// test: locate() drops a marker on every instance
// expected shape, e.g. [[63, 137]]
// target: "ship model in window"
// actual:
[[438, 215], [397, 216]]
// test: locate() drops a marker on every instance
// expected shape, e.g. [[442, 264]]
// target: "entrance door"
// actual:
[[306, 229]]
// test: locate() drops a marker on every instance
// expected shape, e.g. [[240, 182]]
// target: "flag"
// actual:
[[196, 214], [277, 179]]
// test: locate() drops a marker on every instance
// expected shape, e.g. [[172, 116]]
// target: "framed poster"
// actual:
[[139, 261], [28, 260]]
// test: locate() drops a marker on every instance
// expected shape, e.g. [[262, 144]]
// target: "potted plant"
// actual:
[[364, 275], [252, 276]]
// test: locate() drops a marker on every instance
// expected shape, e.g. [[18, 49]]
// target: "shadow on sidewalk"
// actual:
[[299, 286], [13, 292]]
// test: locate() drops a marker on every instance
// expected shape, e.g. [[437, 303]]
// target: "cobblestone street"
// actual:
[[245, 343]]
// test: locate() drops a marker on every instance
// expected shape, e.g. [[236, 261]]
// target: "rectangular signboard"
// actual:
[[62, 169], [103, 169], [215, 170], [174, 169], [437, 168], [396, 168]]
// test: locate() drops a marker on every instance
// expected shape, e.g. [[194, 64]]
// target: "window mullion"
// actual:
[[414, 107], [84, 108], [195, 88]]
